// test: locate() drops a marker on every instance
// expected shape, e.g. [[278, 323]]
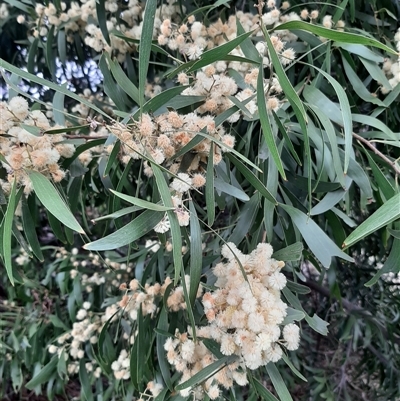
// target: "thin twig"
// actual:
[[86, 136], [378, 153]]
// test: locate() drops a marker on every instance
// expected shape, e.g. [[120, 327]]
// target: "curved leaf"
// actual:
[[388, 212], [318, 241], [128, 233], [53, 202]]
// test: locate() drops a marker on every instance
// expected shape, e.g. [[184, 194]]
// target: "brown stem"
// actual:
[[378, 153]]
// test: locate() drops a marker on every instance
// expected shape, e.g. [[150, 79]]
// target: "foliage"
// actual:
[[193, 194]]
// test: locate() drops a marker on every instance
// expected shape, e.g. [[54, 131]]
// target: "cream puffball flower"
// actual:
[[182, 183], [19, 107]]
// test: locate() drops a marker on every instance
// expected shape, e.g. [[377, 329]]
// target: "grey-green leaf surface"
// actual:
[[337, 36], [206, 372], [346, 115], [141, 203], [195, 253], [278, 383], [44, 374], [266, 124], [145, 46], [391, 265], [219, 52], [53, 202], [134, 230], [263, 392], [388, 212], [318, 241], [7, 232], [175, 229], [290, 253], [231, 190]]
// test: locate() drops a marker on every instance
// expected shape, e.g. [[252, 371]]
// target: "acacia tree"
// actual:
[[200, 200]]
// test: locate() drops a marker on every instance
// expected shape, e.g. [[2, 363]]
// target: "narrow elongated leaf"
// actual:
[[160, 100], [137, 359], [263, 392], [52, 201], [145, 46], [20, 5], [359, 86], [58, 107], [375, 71], [113, 91], [29, 230], [361, 50], [337, 36], [206, 372], [391, 265], [118, 213], [292, 367], [288, 142], [7, 232], [44, 374], [210, 191], [61, 46], [294, 101], [266, 124], [219, 52], [290, 253], [246, 219], [173, 219], [86, 390], [102, 19], [195, 253], [231, 190], [374, 122], [142, 203], [252, 178], [293, 315], [327, 202], [50, 57], [123, 81], [247, 46], [161, 355], [384, 184], [318, 241], [388, 212], [134, 230], [331, 134], [360, 177], [346, 115], [278, 383], [32, 56]]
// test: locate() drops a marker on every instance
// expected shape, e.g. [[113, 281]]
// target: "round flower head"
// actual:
[[182, 183], [19, 107]]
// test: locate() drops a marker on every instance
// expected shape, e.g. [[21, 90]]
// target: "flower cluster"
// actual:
[[245, 315], [120, 367], [190, 357], [391, 68], [85, 330], [246, 310], [31, 150], [80, 18]]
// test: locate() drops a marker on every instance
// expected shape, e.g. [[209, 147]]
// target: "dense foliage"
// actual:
[[200, 201]]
